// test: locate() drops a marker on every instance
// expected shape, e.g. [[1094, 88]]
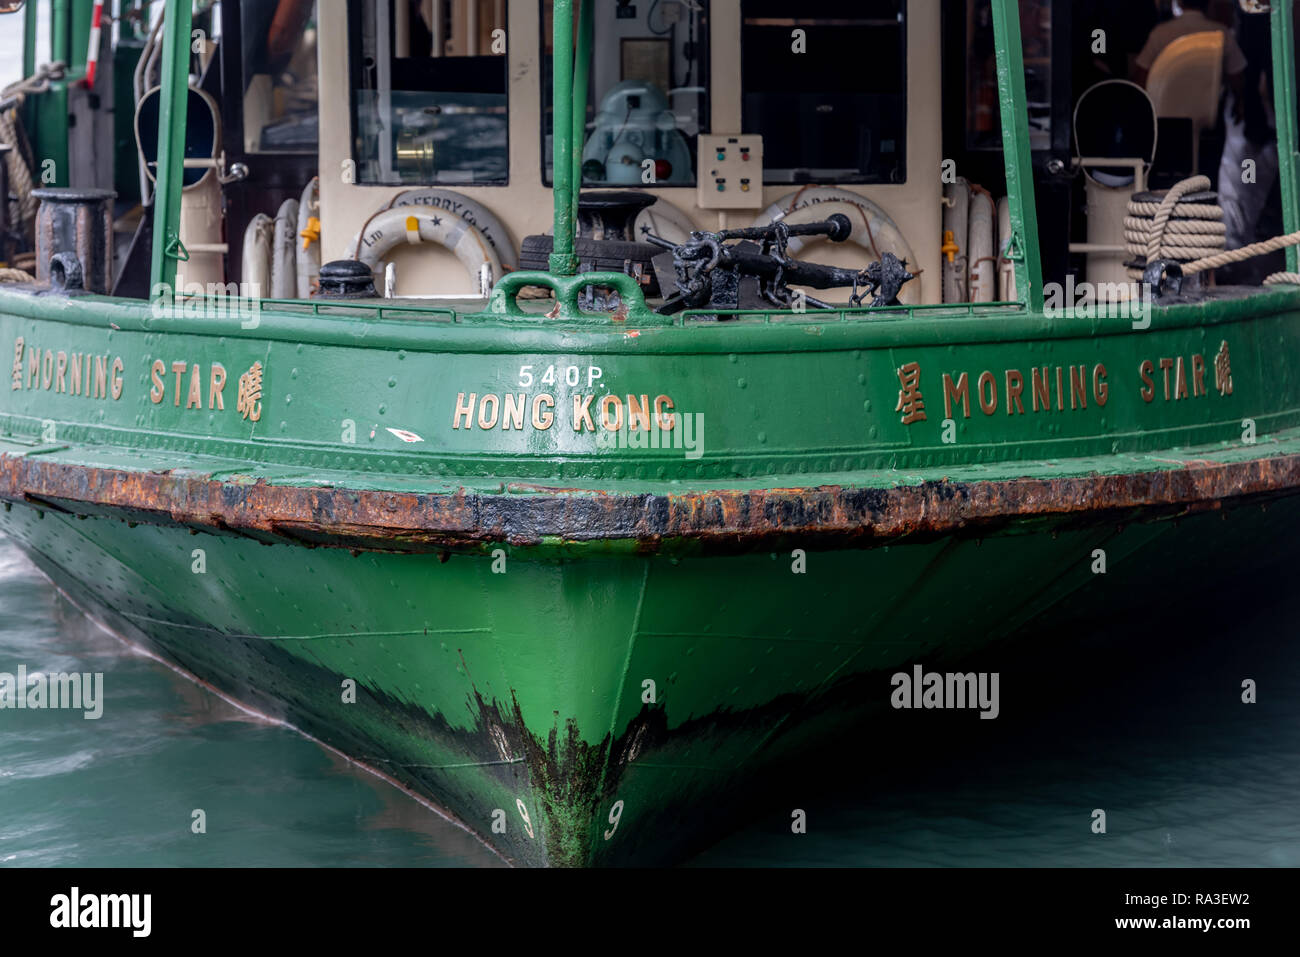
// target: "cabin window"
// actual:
[[825, 84], [983, 117], [429, 80], [278, 50], [647, 99]]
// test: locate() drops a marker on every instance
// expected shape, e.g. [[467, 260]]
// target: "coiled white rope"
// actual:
[[1174, 229], [1193, 235], [20, 177]]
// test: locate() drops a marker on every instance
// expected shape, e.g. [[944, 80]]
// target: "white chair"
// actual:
[[1186, 81]]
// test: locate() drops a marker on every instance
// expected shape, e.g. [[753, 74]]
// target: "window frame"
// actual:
[[904, 92], [355, 34], [546, 108]]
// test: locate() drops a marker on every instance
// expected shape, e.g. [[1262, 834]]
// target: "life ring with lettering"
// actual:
[[417, 224], [255, 267], [873, 229], [284, 252], [457, 204], [664, 220]]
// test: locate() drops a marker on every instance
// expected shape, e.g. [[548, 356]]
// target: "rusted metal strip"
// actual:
[[711, 521]]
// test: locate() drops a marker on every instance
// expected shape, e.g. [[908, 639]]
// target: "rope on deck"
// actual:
[[1192, 234]]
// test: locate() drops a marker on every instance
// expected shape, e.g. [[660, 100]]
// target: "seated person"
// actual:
[[1190, 18]]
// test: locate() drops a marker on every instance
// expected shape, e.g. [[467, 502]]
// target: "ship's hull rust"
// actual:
[[725, 521]]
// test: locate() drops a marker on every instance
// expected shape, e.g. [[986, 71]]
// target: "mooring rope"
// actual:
[[20, 177], [1192, 233], [1180, 230], [16, 275]]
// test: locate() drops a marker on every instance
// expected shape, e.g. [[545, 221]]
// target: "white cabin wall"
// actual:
[[525, 204]]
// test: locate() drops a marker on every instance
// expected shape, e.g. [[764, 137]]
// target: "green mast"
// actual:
[[167, 248], [562, 260], [1015, 143], [29, 39], [1284, 105], [581, 77]]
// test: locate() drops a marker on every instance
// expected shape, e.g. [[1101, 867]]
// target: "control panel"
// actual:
[[731, 172]]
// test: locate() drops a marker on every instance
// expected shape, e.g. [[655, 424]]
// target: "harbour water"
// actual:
[[1154, 732]]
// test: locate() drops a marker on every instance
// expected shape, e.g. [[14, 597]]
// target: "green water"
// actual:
[[1148, 726]]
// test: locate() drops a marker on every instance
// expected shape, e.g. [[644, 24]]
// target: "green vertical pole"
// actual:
[[581, 75], [59, 38], [562, 261], [29, 39], [178, 15], [29, 59], [1284, 105], [52, 124], [79, 35], [1015, 145]]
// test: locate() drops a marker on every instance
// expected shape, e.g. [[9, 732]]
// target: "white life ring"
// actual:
[[475, 214], [956, 233], [873, 230], [255, 270], [664, 220], [983, 263], [406, 224], [308, 251], [284, 252]]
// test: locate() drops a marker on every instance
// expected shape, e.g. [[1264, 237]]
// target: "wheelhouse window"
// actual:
[[825, 84], [647, 99], [278, 50], [983, 119], [429, 81]]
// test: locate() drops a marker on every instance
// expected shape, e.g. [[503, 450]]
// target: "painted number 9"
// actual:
[[615, 815], [523, 812]]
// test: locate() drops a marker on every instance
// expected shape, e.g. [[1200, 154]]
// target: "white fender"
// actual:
[[664, 220], [873, 230], [284, 252], [983, 264], [416, 225], [956, 233], [255, 274], [1006, 269], [308, 250], [475, 214]]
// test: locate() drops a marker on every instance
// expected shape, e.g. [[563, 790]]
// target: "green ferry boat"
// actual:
[[574, 412]]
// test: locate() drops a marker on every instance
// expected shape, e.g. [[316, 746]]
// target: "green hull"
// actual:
[[483, 704], [589, 652]]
